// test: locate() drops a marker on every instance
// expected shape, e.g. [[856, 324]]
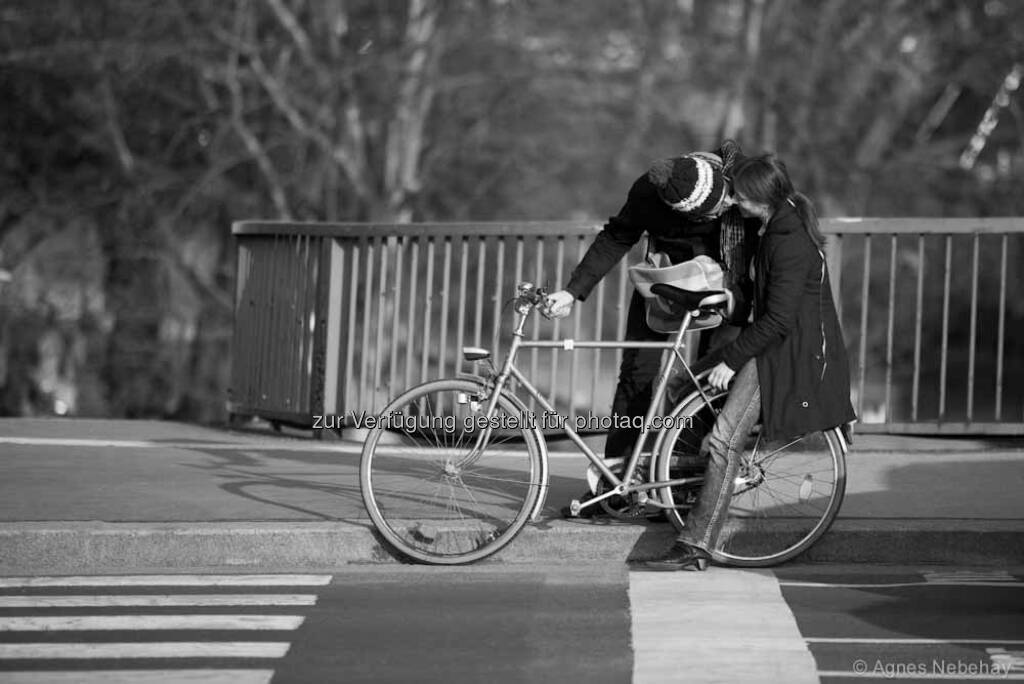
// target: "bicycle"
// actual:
[[453, 469]]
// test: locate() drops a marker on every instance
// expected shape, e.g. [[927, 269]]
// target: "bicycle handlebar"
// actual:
[[529, 296]]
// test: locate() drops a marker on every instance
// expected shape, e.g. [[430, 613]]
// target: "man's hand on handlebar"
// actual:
[[558, 304], [720, 376]]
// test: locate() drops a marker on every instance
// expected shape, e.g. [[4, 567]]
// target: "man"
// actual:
[[684, 205]]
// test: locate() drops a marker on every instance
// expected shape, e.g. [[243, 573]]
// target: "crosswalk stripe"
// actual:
[[717, 619], [932, 676], [99, 601], [896, 585], [191, 676], [855, 640], [156, 649], [149, 622], [168, 581]]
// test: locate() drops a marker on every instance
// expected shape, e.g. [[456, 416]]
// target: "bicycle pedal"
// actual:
[[575, 507]]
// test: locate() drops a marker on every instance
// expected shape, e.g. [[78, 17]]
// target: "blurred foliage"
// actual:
[[136, 132]]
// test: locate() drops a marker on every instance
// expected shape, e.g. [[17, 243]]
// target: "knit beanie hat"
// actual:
[[692, 183]]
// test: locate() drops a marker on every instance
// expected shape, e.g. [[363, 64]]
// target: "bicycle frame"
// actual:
[[620, 485]]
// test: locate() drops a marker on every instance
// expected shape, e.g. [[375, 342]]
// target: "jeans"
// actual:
[[729, 437], [639, 369]]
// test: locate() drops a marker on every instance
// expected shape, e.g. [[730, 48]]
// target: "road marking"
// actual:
[[168, 581], [715, 619], [157, 600], [155, 649], [892, 585], [194, 676], [149, 622], [970, 576], [332, 447], [1010, 661], [849, 674], [347, 447], [856, 640]]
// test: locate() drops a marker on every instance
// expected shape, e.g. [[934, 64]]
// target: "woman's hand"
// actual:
[[721, 376]]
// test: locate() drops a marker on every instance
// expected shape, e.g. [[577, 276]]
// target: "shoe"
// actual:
[[681, 556]]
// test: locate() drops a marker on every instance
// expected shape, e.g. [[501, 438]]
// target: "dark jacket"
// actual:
[[670, 232], [801, 357]]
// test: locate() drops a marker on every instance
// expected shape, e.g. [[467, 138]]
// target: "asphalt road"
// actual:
[[516, 623]]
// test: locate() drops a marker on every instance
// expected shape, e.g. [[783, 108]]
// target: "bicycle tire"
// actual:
[[417, 491], [803, 482]]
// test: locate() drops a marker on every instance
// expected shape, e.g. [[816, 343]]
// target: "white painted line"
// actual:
[[154, 600], [936, 676], [711, 627], [149, 622], [168, 581], [152, 649], [344, 447], [855, 640], [332, 447], [194, 676], [892, 585], [970, 576]]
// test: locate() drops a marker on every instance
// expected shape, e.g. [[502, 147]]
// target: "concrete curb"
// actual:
[[80, 547]]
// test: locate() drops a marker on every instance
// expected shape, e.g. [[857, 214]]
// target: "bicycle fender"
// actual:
[[683, 403]]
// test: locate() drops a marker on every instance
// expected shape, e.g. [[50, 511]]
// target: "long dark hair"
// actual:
[[764, 179]]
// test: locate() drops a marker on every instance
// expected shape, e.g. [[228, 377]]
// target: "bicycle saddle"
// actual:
[[688, 298]]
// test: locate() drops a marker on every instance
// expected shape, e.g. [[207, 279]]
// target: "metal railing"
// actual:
[[333, 319]]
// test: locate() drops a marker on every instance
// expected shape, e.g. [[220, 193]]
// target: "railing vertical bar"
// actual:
[[386, 245], [414, 275], [334, 283], [428, 304], [307, 311], [478, 312], [890, 330], [299, 328], [918, 325], [945, 327], [366, 399], [397, 337], [556, 333], [574, 364], [481, 260], [267, 362], [499, 295], [315, 261], [285, 327], [973, 343], [520, 247], [460, 326], [279, 349], [239, 356], [538, 275], [446, 282], [865, 305], [352, 396], [1001, 336]]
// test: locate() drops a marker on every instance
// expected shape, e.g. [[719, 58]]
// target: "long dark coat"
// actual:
[[802, 365]]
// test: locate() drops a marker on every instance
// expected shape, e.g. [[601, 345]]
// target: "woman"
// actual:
[[788, 368]]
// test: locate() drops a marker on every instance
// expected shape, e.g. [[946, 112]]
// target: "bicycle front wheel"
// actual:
[[785, 496], [436, 490]]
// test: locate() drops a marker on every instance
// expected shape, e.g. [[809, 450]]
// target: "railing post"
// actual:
[[329, 320]]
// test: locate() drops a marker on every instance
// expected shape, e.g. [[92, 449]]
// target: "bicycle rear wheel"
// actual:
[[433, 490], [786, 493]]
